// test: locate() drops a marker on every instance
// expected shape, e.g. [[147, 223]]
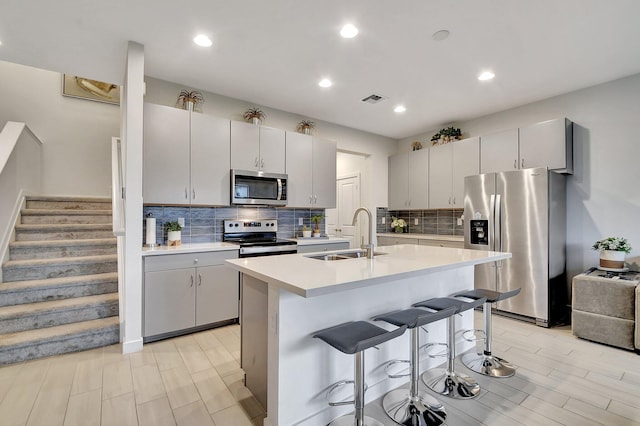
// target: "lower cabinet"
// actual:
[[311, 248], [392, 241], [442, 243], [183, 291]]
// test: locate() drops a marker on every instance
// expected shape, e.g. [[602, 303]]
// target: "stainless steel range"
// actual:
[[257, 238]]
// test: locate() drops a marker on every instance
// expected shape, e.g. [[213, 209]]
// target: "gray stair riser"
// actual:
[[72, 343], [40, 272], [30, 321], [43, 219], [68, 205], [46, 294], [23, 253], [23, 235]]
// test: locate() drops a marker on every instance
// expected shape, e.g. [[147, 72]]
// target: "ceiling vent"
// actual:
[[374, 98]]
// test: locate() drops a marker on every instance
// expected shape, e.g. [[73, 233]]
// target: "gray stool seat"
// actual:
[[410, 406], [354, 338], [446, 381], [486, 363]]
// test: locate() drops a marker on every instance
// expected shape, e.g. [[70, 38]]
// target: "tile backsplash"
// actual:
[[431, 221], [205, 224]]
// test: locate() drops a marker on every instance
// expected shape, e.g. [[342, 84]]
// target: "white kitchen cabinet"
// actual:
[[312, 248], [409, 180], [183, 291], [499, 151], [257, 148], [311, 170], [440, 243], [392, 241], [186, 157], [546, 144], [449, 164]]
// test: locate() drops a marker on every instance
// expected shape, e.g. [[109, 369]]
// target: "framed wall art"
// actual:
[[93, 90]]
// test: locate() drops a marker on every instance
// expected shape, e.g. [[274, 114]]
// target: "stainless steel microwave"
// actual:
[[251, 187]]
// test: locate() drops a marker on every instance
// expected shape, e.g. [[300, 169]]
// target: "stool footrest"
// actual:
[[472, 335], [335, 387], [429, 346], [394, 362]]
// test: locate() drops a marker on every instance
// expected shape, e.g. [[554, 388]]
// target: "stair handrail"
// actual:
[[117, 188], [9, 137]]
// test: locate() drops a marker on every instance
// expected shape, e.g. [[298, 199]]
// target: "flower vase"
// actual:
[[306, 234], [612, 259], [399, 229], [174, 238]]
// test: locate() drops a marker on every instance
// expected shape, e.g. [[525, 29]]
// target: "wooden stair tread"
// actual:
[[27, 263], [57, 282], [39, 307], [55, 243]]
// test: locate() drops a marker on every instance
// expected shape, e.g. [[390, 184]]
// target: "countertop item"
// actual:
[[308, 277], [457, 238], [188, 248]]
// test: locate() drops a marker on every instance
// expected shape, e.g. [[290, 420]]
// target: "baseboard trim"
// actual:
[[132, 346]]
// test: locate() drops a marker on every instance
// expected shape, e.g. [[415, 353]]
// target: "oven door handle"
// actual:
[[268, 249]]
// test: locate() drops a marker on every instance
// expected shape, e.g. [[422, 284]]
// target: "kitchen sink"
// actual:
[[343, 255]]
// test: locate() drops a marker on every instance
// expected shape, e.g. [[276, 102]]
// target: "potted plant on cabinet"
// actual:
[[189, 99], [316, 219], [612, 252], [174, 234], [254, 115], [305, 126], [306, 231]]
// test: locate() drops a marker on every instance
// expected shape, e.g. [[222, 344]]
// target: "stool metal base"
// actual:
[[489, 365], [423, 410], [451, 384], [350, 420]]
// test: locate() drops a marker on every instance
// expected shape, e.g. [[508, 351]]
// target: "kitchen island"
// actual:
[[285, 299]]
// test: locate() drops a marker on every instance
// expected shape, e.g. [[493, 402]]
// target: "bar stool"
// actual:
[[446, 381], [486, 363], [354, 338], [410, 406]]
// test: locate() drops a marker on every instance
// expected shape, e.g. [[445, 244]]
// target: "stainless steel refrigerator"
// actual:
[[522, 212]]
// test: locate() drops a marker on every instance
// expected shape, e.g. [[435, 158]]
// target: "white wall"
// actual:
[[603, 196], [76, 134], [377, 148]]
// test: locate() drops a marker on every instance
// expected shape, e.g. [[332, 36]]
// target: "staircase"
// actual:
[[60, 286]]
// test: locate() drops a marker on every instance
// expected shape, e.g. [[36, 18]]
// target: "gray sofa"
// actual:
[[606, 310]]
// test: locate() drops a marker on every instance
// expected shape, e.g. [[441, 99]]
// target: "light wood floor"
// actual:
[[196, 380]]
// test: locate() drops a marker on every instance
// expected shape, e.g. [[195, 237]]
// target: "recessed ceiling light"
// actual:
[[325, 82], [399, 108], [202, 40], [487, 75], [440, 35], [349, 31]]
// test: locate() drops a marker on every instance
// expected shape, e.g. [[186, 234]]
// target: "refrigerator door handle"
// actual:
[[498, 225], [492, 217]]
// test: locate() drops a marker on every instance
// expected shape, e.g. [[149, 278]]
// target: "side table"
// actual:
[[605, 308]]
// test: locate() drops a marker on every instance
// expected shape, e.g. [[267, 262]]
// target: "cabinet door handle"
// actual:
[[261, 162], [310, 199], [515, 164], [315, 199], [191, 281], [449, 200], [186, 193], [522, 163], [255, 162], [409, 203], [193, 192], [454, 200], [199, 279]]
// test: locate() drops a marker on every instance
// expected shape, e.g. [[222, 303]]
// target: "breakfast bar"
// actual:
[[285, 299]]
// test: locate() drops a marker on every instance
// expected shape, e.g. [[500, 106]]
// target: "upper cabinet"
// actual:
[[311, 170], [409, 180], [257, 148], [449, 164], [546, 144], [186, 157]]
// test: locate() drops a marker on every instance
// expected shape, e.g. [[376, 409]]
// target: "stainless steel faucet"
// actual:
[[368, 247]]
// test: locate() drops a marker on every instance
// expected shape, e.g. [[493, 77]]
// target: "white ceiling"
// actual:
[[273, 53]]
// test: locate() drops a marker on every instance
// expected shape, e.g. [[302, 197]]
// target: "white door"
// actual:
[[347, 201]]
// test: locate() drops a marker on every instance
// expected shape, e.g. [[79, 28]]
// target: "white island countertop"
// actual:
[[307, 277]]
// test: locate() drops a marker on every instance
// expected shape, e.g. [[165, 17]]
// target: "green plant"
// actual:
[[452, 132], [317, 219], [612, 243], [172, 226], [436, 137], [189, 96], [252, 113], [305, 228]]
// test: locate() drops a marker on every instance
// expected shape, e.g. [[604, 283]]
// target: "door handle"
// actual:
[[315, 199], [255, 162], [193, 191], [454, 201], [310, 199], [186, 193], [191, 281], [515, 164], [522, 164], [199, 279], [262, 163], [449, 200]]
